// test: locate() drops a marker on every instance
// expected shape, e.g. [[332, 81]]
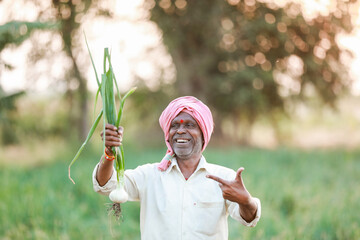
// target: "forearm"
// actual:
[[248, 210], [104, 171]]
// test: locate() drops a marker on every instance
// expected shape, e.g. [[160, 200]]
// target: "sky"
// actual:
[[136, 35]]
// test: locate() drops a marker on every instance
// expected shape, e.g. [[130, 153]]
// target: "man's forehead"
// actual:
[[183, 116]]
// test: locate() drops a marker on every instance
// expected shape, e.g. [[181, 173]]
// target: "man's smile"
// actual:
[[182, 140]]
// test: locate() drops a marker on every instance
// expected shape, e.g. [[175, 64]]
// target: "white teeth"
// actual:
[[181, 141]]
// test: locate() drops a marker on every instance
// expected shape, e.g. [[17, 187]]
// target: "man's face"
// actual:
[[185, 136]]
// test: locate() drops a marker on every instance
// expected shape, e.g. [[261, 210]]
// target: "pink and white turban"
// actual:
[[197, 109]]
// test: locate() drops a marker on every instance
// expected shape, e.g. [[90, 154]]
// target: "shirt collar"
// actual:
[[202, 164]]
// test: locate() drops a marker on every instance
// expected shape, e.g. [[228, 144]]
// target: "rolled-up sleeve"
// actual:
[[108, 187], [234, 211], [133, 179]]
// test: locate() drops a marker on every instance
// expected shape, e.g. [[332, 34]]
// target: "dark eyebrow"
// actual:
[[174, 121]]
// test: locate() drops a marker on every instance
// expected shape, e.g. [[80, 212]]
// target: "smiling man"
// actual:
[[183, 196]]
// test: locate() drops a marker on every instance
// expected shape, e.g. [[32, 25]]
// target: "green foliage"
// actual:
[[304, 195], [7, 118], [230, 54], [64, 18], [51, 118], [249, 58], [15, 32]]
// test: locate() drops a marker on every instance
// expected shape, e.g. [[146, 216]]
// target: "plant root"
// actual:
[[115, 210]]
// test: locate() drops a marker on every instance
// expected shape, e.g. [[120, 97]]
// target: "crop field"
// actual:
[[304, 195]]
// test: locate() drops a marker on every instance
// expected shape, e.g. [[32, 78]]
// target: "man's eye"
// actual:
[[174, 125]]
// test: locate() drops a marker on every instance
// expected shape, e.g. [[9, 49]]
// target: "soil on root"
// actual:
[[115, 210]]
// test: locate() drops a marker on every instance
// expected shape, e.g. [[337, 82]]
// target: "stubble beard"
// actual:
[[187, 153]]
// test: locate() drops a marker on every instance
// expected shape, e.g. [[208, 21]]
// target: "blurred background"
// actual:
[[282, 79]]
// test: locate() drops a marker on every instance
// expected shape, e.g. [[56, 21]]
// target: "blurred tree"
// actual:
[[14, 33], [249, 58], [68, 15], [7, 107]]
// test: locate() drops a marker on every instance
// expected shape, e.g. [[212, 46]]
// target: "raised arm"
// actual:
[[113, 137]]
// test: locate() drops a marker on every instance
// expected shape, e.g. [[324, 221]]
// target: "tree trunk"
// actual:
[[83, 106], [82, 119]]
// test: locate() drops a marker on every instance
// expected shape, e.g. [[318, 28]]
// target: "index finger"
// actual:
[[217, 179]]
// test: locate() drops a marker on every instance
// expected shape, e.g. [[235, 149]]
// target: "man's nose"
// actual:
[[181, 129]]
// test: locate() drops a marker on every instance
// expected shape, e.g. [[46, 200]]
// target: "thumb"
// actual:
[[238, 174]]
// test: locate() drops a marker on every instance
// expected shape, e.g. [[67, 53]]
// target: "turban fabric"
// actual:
[[198, 110]]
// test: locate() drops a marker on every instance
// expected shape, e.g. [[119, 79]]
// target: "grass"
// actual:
[[304, 195]]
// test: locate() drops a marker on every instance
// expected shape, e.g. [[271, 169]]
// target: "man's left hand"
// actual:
[[234, 190]]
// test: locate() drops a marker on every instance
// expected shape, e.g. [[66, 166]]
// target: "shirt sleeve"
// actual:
[[136, 180], [108, 187], [234, 211]]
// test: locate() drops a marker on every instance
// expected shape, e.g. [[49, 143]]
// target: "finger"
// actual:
[[110, 144], [110, 127], [110, 132], [238, 174], [112, 138], [112, 141], [217, 179]]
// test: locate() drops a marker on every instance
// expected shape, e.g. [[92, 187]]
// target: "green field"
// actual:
[[304, 195]]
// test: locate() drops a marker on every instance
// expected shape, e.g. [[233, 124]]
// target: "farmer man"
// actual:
[[183, 196]]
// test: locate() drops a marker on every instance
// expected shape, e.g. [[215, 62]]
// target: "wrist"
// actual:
[[109, 152], [247, 202], [109, 155]]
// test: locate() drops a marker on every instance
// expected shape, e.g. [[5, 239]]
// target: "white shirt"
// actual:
[[178, 209]]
